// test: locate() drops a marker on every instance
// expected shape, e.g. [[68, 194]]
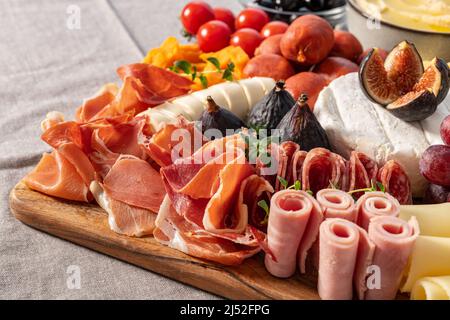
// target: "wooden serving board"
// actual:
[[87, 225]]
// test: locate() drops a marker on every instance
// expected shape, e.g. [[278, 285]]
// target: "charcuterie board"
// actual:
[[87, 225]]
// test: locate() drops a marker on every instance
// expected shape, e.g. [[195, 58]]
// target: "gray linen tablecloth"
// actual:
[[44, 66]]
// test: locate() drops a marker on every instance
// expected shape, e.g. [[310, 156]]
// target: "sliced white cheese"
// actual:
[[191, 105], [158, 119], [254, 91], [353, 122], [215, 93], [267, 83], [173, 110], [236, 98]]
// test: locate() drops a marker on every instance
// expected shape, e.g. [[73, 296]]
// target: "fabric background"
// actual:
[[46, 66]]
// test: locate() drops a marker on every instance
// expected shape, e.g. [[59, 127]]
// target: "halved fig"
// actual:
[[414, 106], [374, 79], [404, 66], [435, 77]]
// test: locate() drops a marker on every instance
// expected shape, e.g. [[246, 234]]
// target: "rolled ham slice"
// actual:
[[292, 216], [337, 204], [373, 204], [394, 240], [345, 253]]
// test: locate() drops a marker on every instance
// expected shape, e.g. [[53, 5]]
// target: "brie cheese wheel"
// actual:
[[353, 122]]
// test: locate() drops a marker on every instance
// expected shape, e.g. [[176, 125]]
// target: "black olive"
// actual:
[[268, 112], [215, 117], [301, 126]]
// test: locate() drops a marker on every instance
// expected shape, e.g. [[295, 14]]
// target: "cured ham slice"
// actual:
[[160, 84], [292, 228], [361, 171], [56, 176], [321, 168], [394, 240], [178, 233], [123, 218], [135, 182], [396, 181], [161, 145], [98, 104], [345, 253], [253, 189], [337, 204], [373, 204]]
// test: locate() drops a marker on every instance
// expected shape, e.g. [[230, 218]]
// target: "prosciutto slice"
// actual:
[[123, 218], [337, 204], [373, 204], [394, 240], [253, 189], [56, 176], [345, 253], [178, 233], [396, 181], [135, 182], [98, 104], [293, 226], [321, 168]]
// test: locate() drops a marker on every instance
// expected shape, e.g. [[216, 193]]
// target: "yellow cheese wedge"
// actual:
[[431, 288], [434, 219], [430, 257]]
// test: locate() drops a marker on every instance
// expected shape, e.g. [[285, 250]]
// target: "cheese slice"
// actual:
[[173, 110], [215, 93], [267, 83], [253, 89], [236, 98], [431, 288], [433, 219], [191, 106], [352, 122], [157, 119], [430, 257]]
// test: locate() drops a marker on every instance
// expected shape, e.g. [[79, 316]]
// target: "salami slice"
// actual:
[[395, 180], [322, 168], [297, 164], [361, 172], [289, 149]]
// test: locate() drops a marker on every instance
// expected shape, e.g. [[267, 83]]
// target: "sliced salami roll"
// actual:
[[322, 168], [396, 181], [373, 204], [293, 226], [345, 254], [337, 204], [394, 240], [361, 171]]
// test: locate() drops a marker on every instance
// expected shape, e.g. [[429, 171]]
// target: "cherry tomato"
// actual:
[[273, 28], [248, 39], [195, 14], [225, 15], [252, 18], [213, 36]]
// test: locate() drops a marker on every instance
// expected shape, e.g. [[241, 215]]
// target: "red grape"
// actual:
[[437, 194], [435, 165], [445, 130]]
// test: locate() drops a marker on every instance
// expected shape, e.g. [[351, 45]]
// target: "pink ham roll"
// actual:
[[394, 240], [345, 253], [373, 204], [337, 204], [292, 224]]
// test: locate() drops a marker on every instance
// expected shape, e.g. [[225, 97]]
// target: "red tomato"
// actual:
[[213, 36], [273, 28], [248, 39], [194, 14], [225, 15], [252, 18]]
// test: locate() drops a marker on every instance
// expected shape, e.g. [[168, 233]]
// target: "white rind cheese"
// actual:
[[352, 122]]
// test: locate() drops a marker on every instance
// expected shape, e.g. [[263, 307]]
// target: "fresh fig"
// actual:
[[216, 117], [404, 66], [300, 125], [384, 82], [414, 106], [436, 78], [268, 112], [374, 79]]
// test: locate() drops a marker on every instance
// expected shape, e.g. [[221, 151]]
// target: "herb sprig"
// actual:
[[374, 186]]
